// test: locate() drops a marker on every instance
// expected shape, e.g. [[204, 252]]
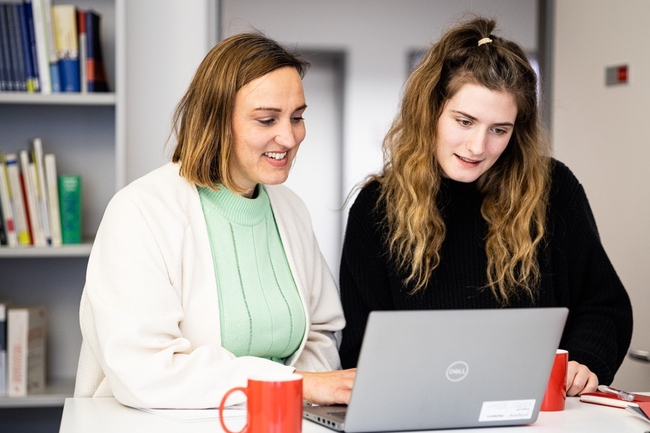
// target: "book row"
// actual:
[[38, 207], [47, 48], [23, 338]]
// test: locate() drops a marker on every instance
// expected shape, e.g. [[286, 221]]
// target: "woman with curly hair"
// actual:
[[471, 211]]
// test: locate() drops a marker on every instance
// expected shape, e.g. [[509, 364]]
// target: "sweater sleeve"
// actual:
[[599, 327], [364, 277]]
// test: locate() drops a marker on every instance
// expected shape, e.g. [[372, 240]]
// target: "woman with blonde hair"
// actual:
[[206, 271], [470, 210]]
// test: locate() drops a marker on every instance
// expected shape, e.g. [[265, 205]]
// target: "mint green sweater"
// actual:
[[261, 311]]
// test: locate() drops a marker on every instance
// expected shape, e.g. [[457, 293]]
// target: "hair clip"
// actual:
[[484, 41]]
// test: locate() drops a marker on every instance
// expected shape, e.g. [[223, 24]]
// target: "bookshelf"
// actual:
[[82, 130], [88, 133]]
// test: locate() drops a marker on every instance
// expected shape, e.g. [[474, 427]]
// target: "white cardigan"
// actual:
[[149, 309]]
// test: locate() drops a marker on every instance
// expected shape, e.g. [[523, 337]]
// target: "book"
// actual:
[[26, 39], [26, 344], [5, 73], [55, 78], [6, 26], [7, 205], [17, 10], [3, 349], [48, 64], [15, 189], [53, 198], [607, 399], [41, 46], [95, 68], [41, 190], [83, 49], [70, 206], [66, 41], [28, 12], [3, 232], [33, 210], [23, 190], [16, 47]]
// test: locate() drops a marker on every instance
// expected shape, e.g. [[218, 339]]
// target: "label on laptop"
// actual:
[[493, 411]]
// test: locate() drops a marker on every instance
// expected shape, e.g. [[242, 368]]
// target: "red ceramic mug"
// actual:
[[555, 395], [273, 404]]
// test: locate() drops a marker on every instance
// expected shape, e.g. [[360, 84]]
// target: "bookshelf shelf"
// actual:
[[76, 250], [54, 396], [58, 99]]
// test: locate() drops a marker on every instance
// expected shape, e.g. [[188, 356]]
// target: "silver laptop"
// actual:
[[443, 369]]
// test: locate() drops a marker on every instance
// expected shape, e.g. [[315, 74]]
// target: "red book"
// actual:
[[28, 211], [612, 400], [83, 56], [95, 69]]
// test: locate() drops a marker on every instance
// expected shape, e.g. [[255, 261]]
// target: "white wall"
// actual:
[[601, 133], [376, 36], [316, 172], [161, 43]]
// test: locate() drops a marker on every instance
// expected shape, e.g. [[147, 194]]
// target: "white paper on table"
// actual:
[[191, 415]]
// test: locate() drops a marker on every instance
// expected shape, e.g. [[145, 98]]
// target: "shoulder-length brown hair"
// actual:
[[515, 188], [202, 122]]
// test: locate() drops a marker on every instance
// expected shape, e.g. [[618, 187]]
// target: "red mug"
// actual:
[[273, 404], [555, 395]]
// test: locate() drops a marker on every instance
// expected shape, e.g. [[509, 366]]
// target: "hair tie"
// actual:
[[484, 41]]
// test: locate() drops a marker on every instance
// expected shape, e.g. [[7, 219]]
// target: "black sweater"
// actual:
[[576, 272]]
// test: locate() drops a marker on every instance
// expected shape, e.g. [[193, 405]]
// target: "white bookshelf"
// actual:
[[150, 59], [81, 130]]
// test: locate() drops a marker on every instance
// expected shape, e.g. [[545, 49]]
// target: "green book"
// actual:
[[70, 208]]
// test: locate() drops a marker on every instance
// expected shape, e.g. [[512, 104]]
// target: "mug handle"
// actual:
[[221, 406]]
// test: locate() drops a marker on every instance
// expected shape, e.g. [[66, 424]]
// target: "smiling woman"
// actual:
[[206, 270]]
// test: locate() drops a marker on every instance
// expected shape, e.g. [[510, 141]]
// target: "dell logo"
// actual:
[[457, 371]]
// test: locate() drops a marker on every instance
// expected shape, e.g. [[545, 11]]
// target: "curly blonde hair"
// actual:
[[515, 188]]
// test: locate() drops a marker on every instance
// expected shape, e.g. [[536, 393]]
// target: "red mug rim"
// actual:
[[275, 377]]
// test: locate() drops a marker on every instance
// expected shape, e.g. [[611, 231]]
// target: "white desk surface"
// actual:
[[107, 415]]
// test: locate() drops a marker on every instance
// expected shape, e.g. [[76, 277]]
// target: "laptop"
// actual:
[[444, 369]]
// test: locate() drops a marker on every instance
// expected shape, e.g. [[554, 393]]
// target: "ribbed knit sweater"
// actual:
[[260, 308], [576, 272]]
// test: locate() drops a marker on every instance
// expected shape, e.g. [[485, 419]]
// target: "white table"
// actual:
[[107, 415]]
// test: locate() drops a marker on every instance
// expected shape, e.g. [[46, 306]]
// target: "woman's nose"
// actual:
[[477, 142], [287, 135]]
